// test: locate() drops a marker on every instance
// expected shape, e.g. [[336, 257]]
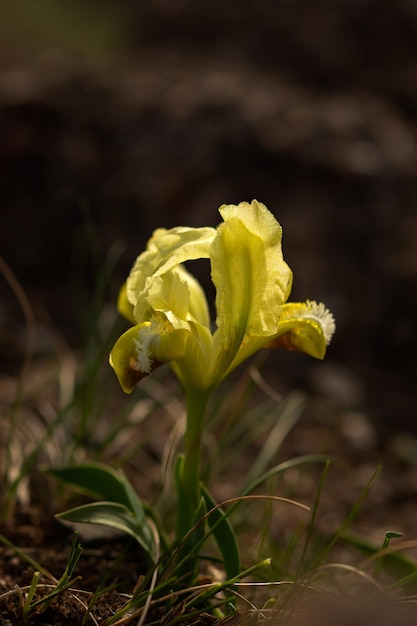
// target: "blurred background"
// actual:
[[120, 117]]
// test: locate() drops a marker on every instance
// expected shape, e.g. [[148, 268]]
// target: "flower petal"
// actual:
[[123, 305], [305, 327], [178, 292], [194, 368], [143, 348], [251, 278], [198, 307], [165, 250]]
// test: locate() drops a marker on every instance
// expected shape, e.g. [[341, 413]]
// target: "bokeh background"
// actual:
[[120, 117]]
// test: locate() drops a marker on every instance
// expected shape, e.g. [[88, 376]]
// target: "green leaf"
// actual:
[[224, 536], [114, 516], [402, 568], [101, 481]]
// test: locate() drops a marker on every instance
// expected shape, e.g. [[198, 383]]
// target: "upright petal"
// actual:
[[252, 280], [198, 307], [165, 250], [177, 291], [167, 293]]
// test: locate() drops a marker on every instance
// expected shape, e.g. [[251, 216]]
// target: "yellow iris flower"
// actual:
[[169, 310]]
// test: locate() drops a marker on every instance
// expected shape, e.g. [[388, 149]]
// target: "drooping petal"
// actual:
[[252, 280], [305, 327], [165, 250], [143, 348]]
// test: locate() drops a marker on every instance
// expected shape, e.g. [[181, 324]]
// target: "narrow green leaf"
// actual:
[[114, 516], [348, 519], [287, 416], [224, 536], [313, 517], [283, 467], [73, 558], [102, 481], [399, 565], [30, 595], [183, 521]]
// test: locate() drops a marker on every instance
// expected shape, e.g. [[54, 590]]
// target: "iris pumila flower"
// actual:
[[170, 315]]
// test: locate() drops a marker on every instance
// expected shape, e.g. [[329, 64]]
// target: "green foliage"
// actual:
[[246, 420], [103, 482], [28, 605], [114, 516], [224, 535], [122, 509]]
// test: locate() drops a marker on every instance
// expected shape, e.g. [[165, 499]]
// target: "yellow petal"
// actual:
[[198, 307], [169, 293], [193, 369], [165, 250], [305, 327], [252, 280], [145, 347], [180, 293], [123, 305]]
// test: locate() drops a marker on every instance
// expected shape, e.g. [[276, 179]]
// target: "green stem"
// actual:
[[189, 472]]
